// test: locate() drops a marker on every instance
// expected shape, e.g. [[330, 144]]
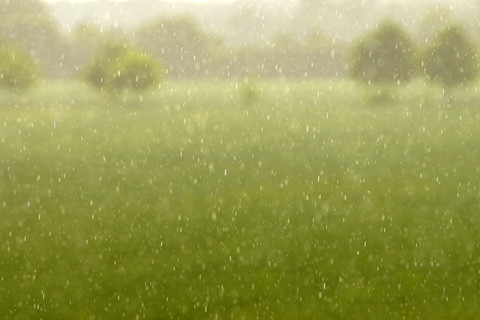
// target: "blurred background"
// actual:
[[222, 39], [290, 160]]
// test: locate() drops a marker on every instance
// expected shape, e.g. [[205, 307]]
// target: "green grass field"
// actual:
[[287, 200]]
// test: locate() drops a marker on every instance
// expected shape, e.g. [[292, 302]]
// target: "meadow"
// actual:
[[235, 200]]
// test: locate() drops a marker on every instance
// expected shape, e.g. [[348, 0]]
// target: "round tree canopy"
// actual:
[[383, 56], [451, 58]]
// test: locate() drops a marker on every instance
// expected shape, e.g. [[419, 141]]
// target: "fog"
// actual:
[[232, 30], [239, 159]]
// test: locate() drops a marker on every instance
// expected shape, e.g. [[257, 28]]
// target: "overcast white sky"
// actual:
[[80, 1]]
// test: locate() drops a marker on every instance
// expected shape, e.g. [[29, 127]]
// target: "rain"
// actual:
[[239, 159]]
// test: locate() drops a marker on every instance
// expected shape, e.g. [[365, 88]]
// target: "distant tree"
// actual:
[[434, 20], [119, 67], [181, 44], [288, 53], [326, 56], [85, 40], [252, 61], [97, 73], [17, 69], [386, 55], [28, 24], [136, 70], [451, 58]]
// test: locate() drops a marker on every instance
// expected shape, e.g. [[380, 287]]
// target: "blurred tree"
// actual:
[[251, 60], [179, 42], [97, 73], [118, 66], [385, 55], [135, 70], [325, 55], [287, 53], [291, 55], [20, 7], [87, 39], [29, 25], [17, 69], [451, 58], [432, 21]]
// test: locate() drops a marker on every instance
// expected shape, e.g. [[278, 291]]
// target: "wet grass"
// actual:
[[308, 200]]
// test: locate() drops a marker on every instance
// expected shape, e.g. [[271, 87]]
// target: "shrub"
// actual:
[[119, 67], [383, 56], [96, 72], [17, 69], [249, 92], [451, 59], [135, 70]]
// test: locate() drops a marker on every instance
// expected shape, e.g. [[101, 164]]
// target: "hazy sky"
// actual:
[[80, 1]]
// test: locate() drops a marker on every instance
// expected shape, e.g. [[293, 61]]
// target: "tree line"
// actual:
[[388, 55], [177, 47]]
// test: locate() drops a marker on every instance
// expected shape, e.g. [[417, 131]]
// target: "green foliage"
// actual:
[[386, 55], [135, 70], [118, 67], [87, 41], [17, 69], [452, 58], [98, 72]]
